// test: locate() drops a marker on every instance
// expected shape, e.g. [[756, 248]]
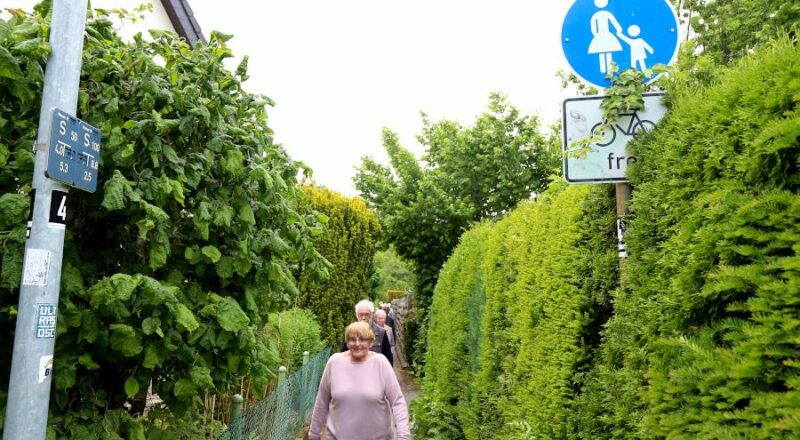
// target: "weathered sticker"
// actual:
[[45, 367], [46, 321], [37, 267]]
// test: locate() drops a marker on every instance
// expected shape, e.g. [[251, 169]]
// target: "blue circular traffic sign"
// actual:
[[629, 33]]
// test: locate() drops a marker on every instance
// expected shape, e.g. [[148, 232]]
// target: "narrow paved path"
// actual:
[[408, 383]]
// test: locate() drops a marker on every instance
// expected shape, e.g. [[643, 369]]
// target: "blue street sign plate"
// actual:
[[73, 153], [630, 33]]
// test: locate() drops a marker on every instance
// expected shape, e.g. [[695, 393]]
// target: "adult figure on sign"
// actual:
[[604, 43]]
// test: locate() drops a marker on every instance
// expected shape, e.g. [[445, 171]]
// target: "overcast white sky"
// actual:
[[339, 71]]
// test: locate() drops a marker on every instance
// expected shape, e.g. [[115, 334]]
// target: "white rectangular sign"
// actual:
[[607, 162]]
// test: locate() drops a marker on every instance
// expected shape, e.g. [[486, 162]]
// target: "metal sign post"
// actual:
[[34, 340]]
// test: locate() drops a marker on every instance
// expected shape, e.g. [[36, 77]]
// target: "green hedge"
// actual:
[[349, 245], [291, 332], [537, 283], [705, 341], [454, 335], [704, 338]]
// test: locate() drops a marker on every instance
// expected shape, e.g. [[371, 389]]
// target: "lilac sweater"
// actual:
[[357, 399]]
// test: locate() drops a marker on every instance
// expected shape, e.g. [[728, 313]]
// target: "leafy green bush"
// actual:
[[171, 268], [292, 332]]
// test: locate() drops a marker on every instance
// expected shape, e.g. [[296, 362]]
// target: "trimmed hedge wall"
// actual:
[[349, 246], [704, 338], [537, 284], [705, 343]]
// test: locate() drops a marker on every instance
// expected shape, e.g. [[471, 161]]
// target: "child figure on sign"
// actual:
[[639, 47]]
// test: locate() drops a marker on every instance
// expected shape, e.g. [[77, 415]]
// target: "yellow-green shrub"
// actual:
[[349, 245], [705, 340], [538, 284]]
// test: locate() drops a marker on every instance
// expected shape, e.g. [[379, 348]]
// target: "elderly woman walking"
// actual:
[[359, 397]]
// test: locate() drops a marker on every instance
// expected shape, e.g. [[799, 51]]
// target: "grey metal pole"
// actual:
[[34, 340]]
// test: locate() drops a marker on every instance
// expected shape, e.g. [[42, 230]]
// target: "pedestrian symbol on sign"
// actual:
[[604, 42], [628, 33]]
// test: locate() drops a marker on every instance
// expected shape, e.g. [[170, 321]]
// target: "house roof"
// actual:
[[183, 20]]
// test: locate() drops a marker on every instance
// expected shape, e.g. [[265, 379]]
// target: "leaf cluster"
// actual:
[[172, 267], [730, 29]]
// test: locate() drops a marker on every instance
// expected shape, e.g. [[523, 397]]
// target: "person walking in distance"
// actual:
[[359, 397], [380, 319], [381, 344], [390, 316]]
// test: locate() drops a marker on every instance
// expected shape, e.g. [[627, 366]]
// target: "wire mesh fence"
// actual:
[[285, 411]]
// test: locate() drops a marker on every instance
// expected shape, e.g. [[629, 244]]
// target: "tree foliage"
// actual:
[[172, 267], [469, 173], [730, 29], [389, 272], [352, 233]]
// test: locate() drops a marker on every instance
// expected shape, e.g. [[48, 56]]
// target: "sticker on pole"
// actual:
[[45, 367], [58, 210], [629, 33], [46, 321], [73, 153], [37, 267]]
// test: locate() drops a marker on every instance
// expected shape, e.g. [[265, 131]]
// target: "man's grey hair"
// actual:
[[365, 302], [380, 312]]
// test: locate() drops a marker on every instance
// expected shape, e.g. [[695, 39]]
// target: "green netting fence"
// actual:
[[285, 411]]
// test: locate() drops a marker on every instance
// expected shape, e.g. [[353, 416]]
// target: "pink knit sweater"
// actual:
[[358, 399]]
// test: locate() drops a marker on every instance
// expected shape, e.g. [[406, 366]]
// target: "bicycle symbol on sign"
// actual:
[[635, 126]]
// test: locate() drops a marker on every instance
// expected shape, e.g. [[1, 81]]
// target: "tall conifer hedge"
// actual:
[[704, 338], [349, 245], [513, 316], [705, 342]]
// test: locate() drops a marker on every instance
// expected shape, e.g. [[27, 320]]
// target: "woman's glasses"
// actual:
[[354, 341]]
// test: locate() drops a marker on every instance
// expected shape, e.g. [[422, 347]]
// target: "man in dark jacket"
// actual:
[[364, 311]]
